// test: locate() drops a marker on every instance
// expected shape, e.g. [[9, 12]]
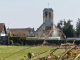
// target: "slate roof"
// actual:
[[48, 9], [44, 27]]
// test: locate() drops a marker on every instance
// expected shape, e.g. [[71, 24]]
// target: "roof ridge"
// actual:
[[19, 28]]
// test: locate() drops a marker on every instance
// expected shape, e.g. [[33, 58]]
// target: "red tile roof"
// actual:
[[19, 31], [1, 26]]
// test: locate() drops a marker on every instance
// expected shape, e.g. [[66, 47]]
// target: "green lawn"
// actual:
[[8, 50], [23, 51]]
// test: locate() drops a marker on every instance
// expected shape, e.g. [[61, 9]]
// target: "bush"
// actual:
[[38, 41], [29, 55], [11, 42], [69, 53], [17, 44]]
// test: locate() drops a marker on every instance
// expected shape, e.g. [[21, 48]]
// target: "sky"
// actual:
[[29, 13]]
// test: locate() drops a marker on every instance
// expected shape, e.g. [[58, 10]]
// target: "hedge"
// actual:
[[24, 41]]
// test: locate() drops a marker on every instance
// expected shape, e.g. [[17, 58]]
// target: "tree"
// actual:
[[69, 31], [58, 25], [67, 28], [78, 27]]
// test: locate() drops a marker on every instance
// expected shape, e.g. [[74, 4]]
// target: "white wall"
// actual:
[[3, 33], [56, 32], [41, 28]]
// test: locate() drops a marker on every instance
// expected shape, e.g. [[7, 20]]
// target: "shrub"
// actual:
[[17, 44], [69, 53], [29, 55], [11, 42]]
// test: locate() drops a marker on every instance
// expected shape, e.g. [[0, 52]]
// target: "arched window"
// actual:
[[49, 14], [46, 14]]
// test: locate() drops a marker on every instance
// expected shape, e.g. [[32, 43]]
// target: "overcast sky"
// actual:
[[29, 13]]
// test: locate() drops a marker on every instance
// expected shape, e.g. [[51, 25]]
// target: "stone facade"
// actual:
[[47, 25]]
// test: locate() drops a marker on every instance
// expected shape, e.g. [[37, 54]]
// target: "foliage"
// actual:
[[11, 42], [72, 52], [45, 42], [67, 28], [78, 27], [59, 25], [17, 44], [16, 40], [29, 55], [69, 53], [69, 31]]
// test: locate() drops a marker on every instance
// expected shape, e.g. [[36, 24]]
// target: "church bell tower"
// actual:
[[48, 18]]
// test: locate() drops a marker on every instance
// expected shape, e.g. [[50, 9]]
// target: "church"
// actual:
[[47, 25], [42, 31]]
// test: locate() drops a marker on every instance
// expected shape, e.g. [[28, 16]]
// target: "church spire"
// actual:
[[48, 5]]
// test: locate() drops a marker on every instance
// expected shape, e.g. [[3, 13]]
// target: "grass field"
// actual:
[[8, 50], [20, 52]]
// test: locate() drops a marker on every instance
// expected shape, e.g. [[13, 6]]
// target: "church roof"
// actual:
[[48, 9], [42, 25]]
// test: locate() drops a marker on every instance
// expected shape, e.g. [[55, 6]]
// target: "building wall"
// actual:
[[3, 33], [31, 32], [3, 40], [42, 27], [56, 32], [48, 18], [39, 32]]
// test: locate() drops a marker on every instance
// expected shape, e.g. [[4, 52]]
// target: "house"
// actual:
[[3, 34], [21, 32], [3, 31]]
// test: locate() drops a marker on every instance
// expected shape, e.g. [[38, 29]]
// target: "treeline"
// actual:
[[68, 29]]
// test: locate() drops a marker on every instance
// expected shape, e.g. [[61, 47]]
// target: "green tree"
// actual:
[[69, 31], [78, 27], [67, 28]]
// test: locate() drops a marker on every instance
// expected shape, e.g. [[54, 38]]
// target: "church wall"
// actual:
[[40, 31], [41, 28], [56, 32]]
